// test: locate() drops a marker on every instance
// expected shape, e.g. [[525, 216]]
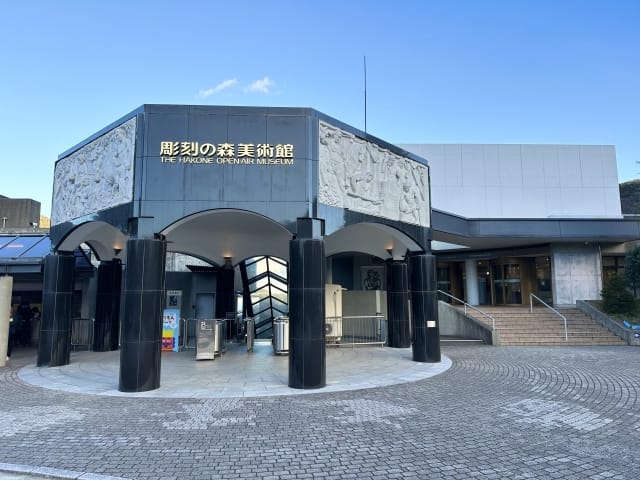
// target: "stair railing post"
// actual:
[[530, 304], [532, 296]]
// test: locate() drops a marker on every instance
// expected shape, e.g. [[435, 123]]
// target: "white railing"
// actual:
[[356, 330], [466, 305], [532, 296]]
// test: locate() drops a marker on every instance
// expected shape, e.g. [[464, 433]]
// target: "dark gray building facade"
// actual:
[[224, 184]]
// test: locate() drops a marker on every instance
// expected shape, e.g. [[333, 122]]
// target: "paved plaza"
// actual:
[[484, 413]]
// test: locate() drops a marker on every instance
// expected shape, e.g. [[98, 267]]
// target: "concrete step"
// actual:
[[519, 326]]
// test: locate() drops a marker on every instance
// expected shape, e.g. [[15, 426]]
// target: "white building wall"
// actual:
[[576, 272], [523, 181]]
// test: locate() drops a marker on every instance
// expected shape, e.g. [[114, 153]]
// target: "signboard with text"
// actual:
[[171, 330], [226, 153]]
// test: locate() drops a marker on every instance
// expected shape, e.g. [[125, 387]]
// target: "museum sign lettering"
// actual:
[[226, 153]]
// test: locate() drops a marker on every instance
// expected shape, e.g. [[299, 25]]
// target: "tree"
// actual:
[[632, 268], [616, 298], [630, 197]]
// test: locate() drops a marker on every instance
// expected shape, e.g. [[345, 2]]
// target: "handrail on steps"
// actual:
[[532, 296], [493, 320]]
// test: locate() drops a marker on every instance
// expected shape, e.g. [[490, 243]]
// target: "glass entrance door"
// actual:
[[506, 283], [484, 283]]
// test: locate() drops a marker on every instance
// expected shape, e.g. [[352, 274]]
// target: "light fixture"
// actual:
[[116, 251], [390, 251], [227, 261]]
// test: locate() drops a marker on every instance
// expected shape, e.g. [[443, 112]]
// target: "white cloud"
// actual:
[[261, 86], [218, 88]]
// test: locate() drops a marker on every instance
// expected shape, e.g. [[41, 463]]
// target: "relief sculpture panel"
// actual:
[[95, 177], [366, 178]]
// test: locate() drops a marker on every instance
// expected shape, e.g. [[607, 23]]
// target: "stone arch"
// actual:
[[238, 234], [376, 239], [106, 241]]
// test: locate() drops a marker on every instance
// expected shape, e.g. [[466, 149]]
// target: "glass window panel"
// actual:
[[512, 271], [5, 240], [19, 246], [40, 249]]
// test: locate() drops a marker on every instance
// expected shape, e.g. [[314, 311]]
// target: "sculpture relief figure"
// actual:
[[362, 184], [333, 172], [409, 206], [359, 175]]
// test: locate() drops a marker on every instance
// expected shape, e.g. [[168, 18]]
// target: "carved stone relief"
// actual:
[[96, 177], [366, 178]]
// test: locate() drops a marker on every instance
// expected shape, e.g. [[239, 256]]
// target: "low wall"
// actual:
[[455, 323], [627, 334]]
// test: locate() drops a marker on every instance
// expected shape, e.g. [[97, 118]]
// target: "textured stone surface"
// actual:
[[366, 178], [498, 412], [95, 177], [576, 273]]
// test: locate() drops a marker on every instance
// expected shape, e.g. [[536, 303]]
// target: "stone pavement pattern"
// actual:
[[505, 412]]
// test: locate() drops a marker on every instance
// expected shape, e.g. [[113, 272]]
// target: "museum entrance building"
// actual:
[[224, 185]]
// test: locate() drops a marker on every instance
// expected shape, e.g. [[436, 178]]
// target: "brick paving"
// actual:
[[498, 412]]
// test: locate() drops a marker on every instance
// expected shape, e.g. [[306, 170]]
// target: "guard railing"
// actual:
[[532, 296], [355, 330]]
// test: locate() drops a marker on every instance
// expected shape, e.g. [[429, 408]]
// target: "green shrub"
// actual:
[[632, 268], [616, 298]]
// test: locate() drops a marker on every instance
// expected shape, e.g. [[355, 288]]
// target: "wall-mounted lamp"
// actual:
[[227, 261], [116, 251], [390, 251]]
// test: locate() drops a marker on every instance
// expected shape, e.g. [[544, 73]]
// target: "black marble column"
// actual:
[[57, 296], [398, 305], [424, 308], [307, 356], [141, 340], [225, 295], [106, 327]]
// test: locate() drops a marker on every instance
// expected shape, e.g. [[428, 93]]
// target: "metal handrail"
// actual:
[[493, 320], [532, 296]]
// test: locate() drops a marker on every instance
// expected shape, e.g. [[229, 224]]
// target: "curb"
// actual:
[[47, 472]]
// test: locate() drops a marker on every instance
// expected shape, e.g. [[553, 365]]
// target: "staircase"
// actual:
[[265, 287], [517, 326]]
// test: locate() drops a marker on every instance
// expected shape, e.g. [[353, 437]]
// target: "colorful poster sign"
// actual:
[[171, 330]]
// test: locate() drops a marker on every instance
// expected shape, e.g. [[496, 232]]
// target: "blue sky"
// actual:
[[447, 71]]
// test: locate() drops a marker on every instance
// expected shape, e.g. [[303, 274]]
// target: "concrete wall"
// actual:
[[523, 181], [454, 323], [576, 273], [627, 334], [19, 212], [364, 302]]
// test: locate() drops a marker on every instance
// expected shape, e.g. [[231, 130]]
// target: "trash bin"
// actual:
[[251, 333], [281, 336]]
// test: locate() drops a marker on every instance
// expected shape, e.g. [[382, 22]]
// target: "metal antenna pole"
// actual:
[[365, 94]]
